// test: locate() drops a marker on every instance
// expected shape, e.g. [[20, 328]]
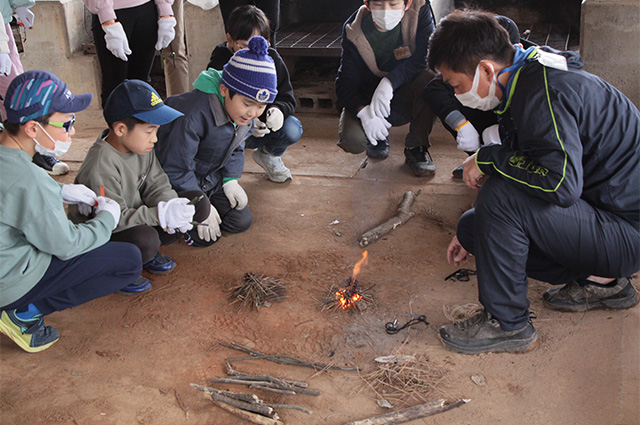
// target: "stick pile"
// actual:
[[331, 301], [255, 290]]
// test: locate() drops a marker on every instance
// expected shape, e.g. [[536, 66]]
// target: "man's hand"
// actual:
[[176, 214], [259, 128], [456, 254], [468, 138], [275, 118], [471, 174], [24, 16], [5, 64], [116, 39], [78, 194], [166, 31], [236, 194], [209, 230], [375, 128], [381, 100]]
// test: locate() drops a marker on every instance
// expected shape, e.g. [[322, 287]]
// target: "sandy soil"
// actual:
[[130, 360]]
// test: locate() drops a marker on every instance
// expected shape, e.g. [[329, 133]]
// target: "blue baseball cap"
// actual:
[[135, 98], [36, 93]]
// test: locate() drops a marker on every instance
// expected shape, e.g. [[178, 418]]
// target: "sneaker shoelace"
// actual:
[[51, 160]]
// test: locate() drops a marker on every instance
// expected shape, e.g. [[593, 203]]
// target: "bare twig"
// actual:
[[249, 416], [184, 408], [404, 214], [409, 414]]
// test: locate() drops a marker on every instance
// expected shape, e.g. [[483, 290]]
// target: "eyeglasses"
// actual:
[[66, 125]]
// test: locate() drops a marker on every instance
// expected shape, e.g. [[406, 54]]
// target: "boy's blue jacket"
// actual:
[[358, 75], [201, 148]]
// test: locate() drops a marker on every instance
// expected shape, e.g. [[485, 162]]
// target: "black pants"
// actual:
[[140, 23], [514, 235], [73, 282], [271, 8], [149, 238]]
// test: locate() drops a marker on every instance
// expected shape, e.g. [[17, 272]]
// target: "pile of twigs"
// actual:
[[255, 291], [402, 379], [332, 300], [460, 313]]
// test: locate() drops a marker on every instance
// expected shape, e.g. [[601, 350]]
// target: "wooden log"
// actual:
[[249, 398], [404, 214], [258, 408], [409, 414], [249, 416]]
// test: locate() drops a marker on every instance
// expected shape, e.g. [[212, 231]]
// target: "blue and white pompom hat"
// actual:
[[251, 72]]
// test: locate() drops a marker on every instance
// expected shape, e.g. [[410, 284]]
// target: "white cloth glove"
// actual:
[[491, 135], [116, 39], [24, 16], [166, 32], [259, 128], [236, 194], [85, 209], [468, 138], [111, 206], [209, 230], [175, 214], [375, 128], [381, 100], [275, 118], [5, 64], [78, 194]]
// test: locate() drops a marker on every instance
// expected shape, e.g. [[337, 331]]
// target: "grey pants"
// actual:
[[407, 106]]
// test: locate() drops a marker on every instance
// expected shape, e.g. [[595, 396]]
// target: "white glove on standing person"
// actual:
[[209, 230], [236, 194], [5, 64], [176, 214], [468, 138], [275, 118], [375, 128], [259, 128], [381, 100], [110, 206], [78, 194], [24, 16], [166, 32], [491, 135], [116, 39]]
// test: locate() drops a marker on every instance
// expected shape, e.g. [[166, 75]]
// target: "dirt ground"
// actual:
[[130, 360]]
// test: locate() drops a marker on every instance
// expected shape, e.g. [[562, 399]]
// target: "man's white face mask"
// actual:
[[387, 19], [472, 99], [60, 148]]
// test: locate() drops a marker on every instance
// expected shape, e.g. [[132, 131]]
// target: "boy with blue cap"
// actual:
[[204, 149], [123, 162], [47, 263]]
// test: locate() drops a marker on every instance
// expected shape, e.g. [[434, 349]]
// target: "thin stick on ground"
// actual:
[[410, 413], [404, 214], [255, 290]]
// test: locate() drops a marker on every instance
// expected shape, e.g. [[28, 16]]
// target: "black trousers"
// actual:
[[150, 238], [140, 23], [514, 235], [271, 8]]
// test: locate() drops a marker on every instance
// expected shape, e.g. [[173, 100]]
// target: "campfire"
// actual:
[[349, 297]]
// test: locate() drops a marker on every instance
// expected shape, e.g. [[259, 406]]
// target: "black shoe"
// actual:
[[380, 151], [483, 334], [52, 165], [575, 297], [457, 173], [420, 161]]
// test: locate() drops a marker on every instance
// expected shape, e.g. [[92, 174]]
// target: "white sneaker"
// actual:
[[272, 165]]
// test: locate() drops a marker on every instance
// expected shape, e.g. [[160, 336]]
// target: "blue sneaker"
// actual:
[[30, 334], [140, 285], [160, 264]]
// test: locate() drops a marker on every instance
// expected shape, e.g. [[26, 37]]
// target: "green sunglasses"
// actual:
[[66, 125]]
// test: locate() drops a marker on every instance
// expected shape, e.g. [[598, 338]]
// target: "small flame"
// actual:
[[359, 264], [347, 301]]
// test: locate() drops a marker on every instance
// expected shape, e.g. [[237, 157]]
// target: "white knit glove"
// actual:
[[176, 214], [236, 194], [468, 138], [275, 118], [5, 64], [116, 39], [78, 194], [259, 128], [375, 128], [166, 32], [381, 100], [110, 206], [24, 16], [491, 135], [209, 230]]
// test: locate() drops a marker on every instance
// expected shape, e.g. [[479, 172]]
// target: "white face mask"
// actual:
[[60, 148], [471, 99], [387, 19]]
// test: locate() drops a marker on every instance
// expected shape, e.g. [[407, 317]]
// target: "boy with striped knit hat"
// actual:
[[204, 149]]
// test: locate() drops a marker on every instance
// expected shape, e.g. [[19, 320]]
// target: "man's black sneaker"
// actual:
[[379, 151], [419, 160], [457, 173], [52, 165], [31, 334], [483, 334], [575, 297]]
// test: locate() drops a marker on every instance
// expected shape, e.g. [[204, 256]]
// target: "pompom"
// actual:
[[258, 45]]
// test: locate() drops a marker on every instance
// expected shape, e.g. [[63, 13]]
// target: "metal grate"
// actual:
[[320, 40]]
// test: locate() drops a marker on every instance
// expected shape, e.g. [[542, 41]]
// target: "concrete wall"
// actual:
[[610, 43], [204, 30]]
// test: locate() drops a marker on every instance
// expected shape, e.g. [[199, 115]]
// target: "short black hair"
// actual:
[[130, 122], [13, 128], [244, 20], [465, 37]]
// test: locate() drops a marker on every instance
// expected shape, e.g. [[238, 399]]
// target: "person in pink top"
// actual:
[[127, 34]]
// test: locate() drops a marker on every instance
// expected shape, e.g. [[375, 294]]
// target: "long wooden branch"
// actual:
[[249, 416], [409, 414], [404, 214]]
